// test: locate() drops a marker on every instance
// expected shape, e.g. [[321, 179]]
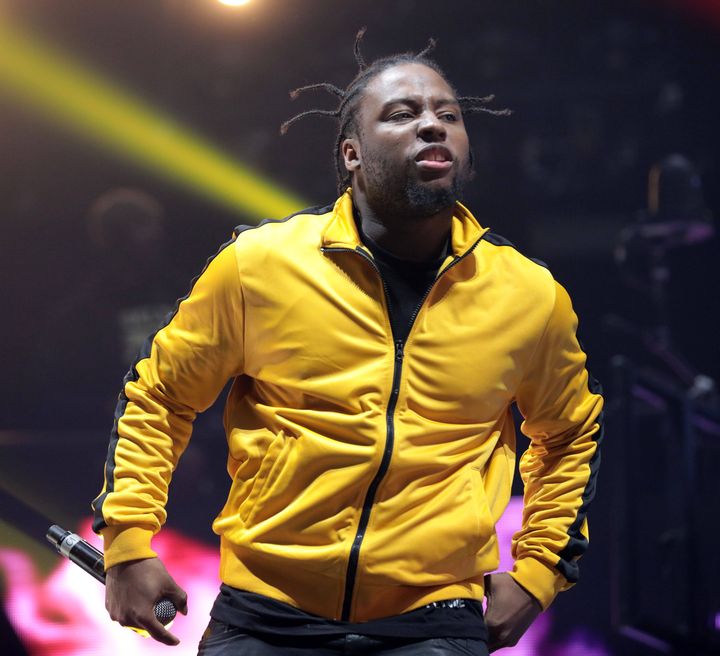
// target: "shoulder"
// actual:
[[292, 230], [507, 249], [526, 282], [532, 291], [506, 261]]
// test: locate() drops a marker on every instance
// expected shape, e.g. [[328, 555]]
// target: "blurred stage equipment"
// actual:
[[676, 218], [125, 215], [666, 414]]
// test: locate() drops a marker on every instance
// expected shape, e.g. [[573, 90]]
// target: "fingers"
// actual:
[[487, 580], [498, 640], [494, 645], [146, 622], [510, 611], [501, 636], [158, 632], [132, 590], [178, 597], [495, 638], [154, 627]]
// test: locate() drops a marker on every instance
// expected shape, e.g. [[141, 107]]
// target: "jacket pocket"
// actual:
[[269, 467], [431, 534], [484, 520]]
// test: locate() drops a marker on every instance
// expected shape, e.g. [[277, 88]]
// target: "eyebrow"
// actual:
[[414, 102]]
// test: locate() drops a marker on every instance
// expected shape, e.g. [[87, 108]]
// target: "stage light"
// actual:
[[233, 3], [77, 98]]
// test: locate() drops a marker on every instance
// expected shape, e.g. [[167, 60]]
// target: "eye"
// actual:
[[400, 115], [450, 117]]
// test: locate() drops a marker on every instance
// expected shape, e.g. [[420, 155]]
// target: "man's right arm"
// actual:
[[179, 373]]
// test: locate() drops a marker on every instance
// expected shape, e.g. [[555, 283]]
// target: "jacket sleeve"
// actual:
[[180, 371], [562, 407]]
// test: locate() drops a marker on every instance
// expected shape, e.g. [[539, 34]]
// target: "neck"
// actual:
[[418, 239]]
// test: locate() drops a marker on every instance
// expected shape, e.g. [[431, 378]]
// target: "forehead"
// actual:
[[406, 81]]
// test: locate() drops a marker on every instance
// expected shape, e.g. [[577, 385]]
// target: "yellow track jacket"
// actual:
[[367, 474]]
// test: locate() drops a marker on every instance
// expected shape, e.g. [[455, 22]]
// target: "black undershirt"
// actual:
[[406, 284], [258, 614]]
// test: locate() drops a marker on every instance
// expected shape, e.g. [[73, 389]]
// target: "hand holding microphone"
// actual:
[[133, 588]]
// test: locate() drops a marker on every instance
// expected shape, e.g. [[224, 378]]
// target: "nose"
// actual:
[[431, 128]]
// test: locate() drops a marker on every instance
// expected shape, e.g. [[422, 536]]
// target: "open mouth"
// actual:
[[434, 158]]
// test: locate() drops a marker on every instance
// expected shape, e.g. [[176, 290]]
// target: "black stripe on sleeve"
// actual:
[[316, 210], [498, 240], [577, 543], [132, 376]]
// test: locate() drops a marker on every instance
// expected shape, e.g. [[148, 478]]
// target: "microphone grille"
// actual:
[[165, 611]]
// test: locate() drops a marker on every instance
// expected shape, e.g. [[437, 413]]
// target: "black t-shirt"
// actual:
[[257, 614], [406, 284]]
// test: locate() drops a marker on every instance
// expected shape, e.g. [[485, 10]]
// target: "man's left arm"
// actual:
[[561, 406]]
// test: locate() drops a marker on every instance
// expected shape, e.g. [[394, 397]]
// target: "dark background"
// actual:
[[600, 92]]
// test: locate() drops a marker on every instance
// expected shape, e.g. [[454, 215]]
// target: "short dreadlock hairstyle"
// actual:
[[351, 97]]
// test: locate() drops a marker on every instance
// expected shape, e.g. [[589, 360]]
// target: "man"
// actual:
[[376, 347]]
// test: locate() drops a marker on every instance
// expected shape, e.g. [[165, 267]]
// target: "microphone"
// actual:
[[88, 558]]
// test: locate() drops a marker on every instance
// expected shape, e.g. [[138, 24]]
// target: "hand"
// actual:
[[510, 610], [131, 590]]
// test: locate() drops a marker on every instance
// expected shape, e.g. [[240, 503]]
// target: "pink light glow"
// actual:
[[64, 614], [510, 522]]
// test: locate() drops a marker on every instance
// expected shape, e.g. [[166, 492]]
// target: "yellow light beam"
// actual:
[[78, 98]]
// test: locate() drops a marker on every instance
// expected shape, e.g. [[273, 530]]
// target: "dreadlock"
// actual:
[[350, 97]]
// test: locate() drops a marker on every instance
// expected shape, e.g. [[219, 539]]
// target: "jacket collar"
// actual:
[[341, 231]]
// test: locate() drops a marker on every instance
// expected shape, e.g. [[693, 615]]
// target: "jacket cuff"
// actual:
[[540, 580], [124, 543]]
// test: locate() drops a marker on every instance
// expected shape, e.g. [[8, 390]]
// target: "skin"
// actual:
[[406, 202], [131, 590], [406, 206], [510, 610]]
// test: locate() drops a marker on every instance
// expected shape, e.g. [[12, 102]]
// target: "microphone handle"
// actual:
[[84, 555], [91, 560]]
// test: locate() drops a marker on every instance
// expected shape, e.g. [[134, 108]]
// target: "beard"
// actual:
[[397, 191]]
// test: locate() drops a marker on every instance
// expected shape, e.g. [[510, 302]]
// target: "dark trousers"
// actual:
[[224, 640]]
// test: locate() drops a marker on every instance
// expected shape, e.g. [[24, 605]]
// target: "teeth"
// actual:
[[434, 156]]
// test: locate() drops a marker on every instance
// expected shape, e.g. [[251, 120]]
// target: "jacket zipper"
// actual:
[[389, 422]]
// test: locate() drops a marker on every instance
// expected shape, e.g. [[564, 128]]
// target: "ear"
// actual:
[[351, 154]]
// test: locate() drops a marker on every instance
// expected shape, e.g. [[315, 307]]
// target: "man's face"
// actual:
[[411, 148]]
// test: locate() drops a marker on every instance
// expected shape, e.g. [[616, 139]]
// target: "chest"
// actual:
[[328, 338]]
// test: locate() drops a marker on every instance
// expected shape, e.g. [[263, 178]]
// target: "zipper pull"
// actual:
[[399, 350]]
